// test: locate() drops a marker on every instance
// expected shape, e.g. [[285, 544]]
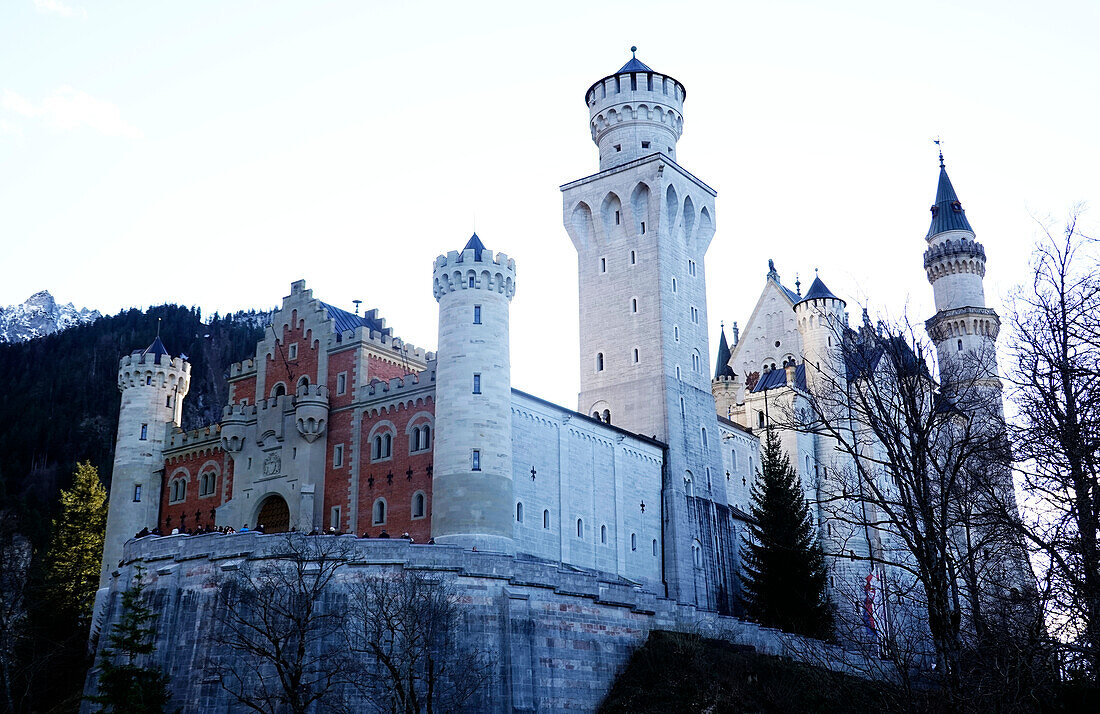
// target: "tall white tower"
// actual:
[[641, 227], [472, 478], [153, 385]]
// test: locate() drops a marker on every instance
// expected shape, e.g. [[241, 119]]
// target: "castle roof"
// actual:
[[634, 65], [475, 245], [342, 321], [778, 378], [773, 275], [156, 349], [947, 212], [818, 290], [723, 369]]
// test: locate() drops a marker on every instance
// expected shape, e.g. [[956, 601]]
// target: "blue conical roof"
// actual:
[[723, 368], [634, 65], [475, 245], [156, 349], [818, 290], [947, 212]]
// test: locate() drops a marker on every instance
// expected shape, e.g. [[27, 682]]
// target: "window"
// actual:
[[681, 405], [519, 512], [342, 383], [477, 384], [603, 535], [633, 255], [477, 314], [207, 483], [580, 528], [471, 281], [148, 380], [645, 144], [654, 547], [689, 487], [420, 439], [695, 363], [643, 227], [677, 371], [674, 285], [691, 268], [292, 351], [695, 315], [168, 401], [382, 446], [418, 504], [676, 332], [303, 383], [618, 217], [334, 517], [618, 147], [960, 345], [279, 390], [337, 456], [144, 432], [599, 361], [635, 355], [607, 416], [760, 419], [546, 520], [634, 304], [137, 493], [697, 554], [378, 513], [634, 541], [603, 265], [475, 460]]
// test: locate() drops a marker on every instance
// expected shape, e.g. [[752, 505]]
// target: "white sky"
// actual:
[[209, 153]]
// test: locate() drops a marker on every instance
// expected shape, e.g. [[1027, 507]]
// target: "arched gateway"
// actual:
[[274, 515]]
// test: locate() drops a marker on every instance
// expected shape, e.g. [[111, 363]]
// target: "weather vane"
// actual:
[[939, 142]]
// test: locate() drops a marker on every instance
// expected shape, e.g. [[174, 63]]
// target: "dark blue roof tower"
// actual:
[[818, 291], [157, 349], [947, 211], [723, 368], [475, 245]]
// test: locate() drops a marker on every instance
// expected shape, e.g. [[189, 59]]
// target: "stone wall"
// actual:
[[559, 635]]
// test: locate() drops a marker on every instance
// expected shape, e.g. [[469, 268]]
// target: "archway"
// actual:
[[274, 515]]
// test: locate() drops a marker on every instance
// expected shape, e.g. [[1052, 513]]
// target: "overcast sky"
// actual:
[[209, 153]]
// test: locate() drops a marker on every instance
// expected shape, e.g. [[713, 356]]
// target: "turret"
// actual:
[[725, 386], [153, 385], [635, 112], [472, 481], [955, 265], [820, 318]]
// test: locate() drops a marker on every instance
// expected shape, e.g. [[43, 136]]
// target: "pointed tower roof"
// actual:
[[818, 290], [634, 65], [156, 349], [947, 212], [475, 245], [723, 368]]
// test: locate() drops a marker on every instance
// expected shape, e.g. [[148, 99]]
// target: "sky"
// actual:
[[210, 153]]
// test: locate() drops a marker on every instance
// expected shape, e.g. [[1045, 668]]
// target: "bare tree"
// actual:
[[1055, 388], [404, 629], [279, 629]]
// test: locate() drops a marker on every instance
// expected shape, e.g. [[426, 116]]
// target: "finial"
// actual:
[[357, 306], [939, 142], [633, 49], [798, 285]]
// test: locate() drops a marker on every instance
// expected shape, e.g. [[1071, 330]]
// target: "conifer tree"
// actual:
[[124, 684], [784, 566], [76, 550]]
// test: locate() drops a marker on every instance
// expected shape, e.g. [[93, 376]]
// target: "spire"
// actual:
[[723, 369], [818, 290], [947, 212], [475, 245]]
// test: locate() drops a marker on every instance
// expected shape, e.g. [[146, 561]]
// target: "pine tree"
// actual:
[[784, 566], [125, 685], [76, 550]]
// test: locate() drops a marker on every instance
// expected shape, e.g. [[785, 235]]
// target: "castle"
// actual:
[[338, 424]]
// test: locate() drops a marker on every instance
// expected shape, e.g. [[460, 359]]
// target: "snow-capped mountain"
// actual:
[[40, 315]]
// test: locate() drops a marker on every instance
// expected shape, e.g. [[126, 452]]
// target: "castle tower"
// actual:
[[472, 481], [725, 385], [963, 328], [820, 319], [641, 227], [153, 385]]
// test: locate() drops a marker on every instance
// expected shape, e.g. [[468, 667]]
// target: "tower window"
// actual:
[[643, 227], [144, 432], [471, 281], [618, 217], [580, 528], [633, 255], [760, 419], [292, 351], [137, 493], [546, 520], [519, 512], [691, 268], [475, 460], [599, 361], [148, 380], [634, 304], [603, 265], [477, 314], [334, 518], [607, 416], [378, 513], [477, 384], [635, 355], [676, 332], [342, 383], [960, 345], [603, 535], [645, 144], [618, 147], [168, 401], [418, 504], [338, 456], [634, 541], [674, 285], [654, 547]]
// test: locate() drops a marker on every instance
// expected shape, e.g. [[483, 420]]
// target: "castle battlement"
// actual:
[[139, 369], [495, 273], [242, 368], [950, 248], [180, 438], [386, 343]]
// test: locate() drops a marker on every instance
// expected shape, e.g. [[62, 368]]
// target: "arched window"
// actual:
[[599, 361], [634, 304], [595, 415], [387, 445], [654, 547], [695, 362], [607, 416], [519, 512], [378, 513], [418, 505], [960, 345], [580, 528], [546, 520], [279, 390], [689, 487], [426, 436], [376, 453], [697, 554], [635, 355], [603, 534], [303, 382], [208, 483], [634, 541]]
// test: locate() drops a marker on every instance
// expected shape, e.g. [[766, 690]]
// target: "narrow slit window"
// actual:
[[643, 227], [477, 384], [471, 281], [645, 144], [475, 460], [633, 255], [603, 265], [137, 493], [618, 216], [144, 432], [477, 314]]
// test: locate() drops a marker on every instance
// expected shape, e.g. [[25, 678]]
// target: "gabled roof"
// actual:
[[947, 212], [342, 321], [475, 245], [775, 378], [723, 368]]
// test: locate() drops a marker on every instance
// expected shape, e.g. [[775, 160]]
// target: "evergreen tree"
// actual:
[[76, 550], [125, 685], [784, 566]]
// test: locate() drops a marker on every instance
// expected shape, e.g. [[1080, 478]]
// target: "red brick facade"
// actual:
[[288, 368], [184, 476]]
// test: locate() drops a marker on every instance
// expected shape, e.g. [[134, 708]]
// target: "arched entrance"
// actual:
[[274, 515]]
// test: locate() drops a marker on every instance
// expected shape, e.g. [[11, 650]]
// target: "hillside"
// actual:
[[61, 397]]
